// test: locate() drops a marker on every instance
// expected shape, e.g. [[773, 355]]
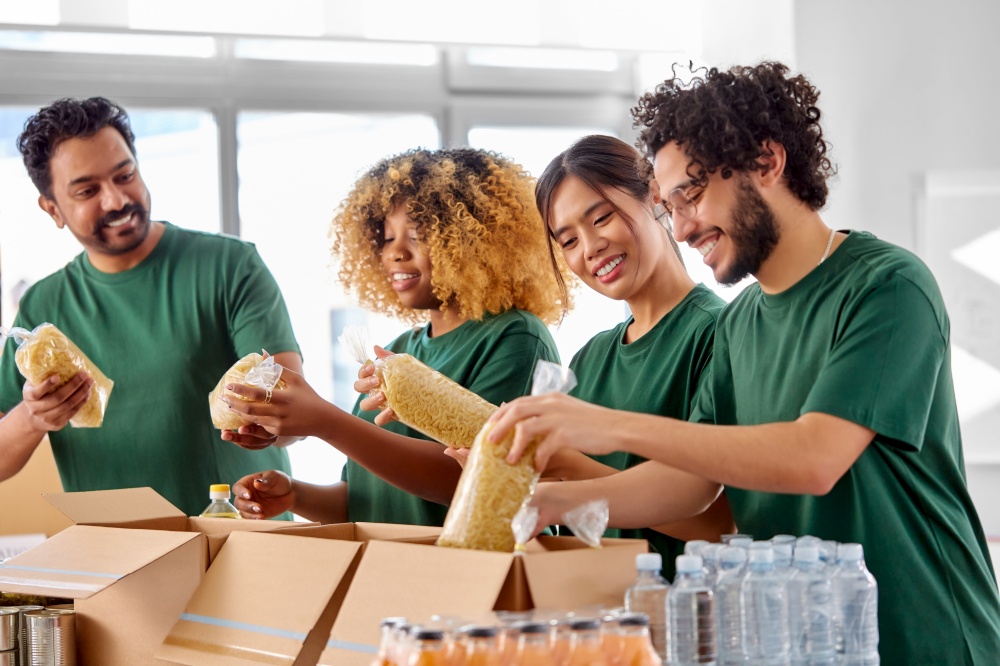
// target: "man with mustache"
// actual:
[[830, 408], [161, 310]]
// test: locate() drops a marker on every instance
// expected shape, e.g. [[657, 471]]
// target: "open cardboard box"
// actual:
[[418, 581], [272, 597], [131, 562]]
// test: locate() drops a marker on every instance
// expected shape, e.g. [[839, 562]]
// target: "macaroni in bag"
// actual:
[[46, 350], [423, 398], [491, 491], [251, 370]]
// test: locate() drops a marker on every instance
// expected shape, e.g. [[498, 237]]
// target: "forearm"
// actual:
[[805, 456], [708, 525], [323, 504], [417, 466], [570, 465], [18, 440]]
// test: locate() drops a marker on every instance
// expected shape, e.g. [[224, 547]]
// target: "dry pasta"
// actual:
[[224, 418], [427, 401], [45, 351], [489, 493]]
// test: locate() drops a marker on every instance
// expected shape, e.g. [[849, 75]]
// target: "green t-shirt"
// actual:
[[657, 374], [164, 332], [494, 358], [865, 337]]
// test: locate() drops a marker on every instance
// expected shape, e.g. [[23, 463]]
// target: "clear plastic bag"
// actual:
[[251, 370], [45, 351], [491, 491], [588, 522], [422, 397]]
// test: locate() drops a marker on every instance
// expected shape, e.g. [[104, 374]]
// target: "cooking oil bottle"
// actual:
[[220, 507]]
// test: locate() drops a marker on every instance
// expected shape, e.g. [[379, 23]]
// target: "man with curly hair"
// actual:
[[444, 238], [161, 310], [830, 409]]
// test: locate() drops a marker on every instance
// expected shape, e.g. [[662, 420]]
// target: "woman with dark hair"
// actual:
[[599, 208]]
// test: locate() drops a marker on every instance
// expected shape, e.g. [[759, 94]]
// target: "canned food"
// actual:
[[8, 628], [51, 637], [8, 658], [22, 634]]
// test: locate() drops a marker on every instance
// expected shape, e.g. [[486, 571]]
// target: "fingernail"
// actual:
[[229, 387], [256, 509], [246, 495]]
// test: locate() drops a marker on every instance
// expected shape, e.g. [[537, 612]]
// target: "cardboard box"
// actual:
[[129, 585], [131, 562], [418, 581], [24, 491], [272, 597]]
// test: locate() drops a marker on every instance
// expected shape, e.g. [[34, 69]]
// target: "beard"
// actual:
[[132, 241], [754, 232]]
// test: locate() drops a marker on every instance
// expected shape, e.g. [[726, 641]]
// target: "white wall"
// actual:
[[907, 87]]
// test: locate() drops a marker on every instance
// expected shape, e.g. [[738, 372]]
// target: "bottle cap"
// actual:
[[535, 628], [850, 552], [649, 561], [733, 555], [807, 553], [219, 488], [633, 620], [688, 563], [585, 624], [694, 547], [762, 555], [482, 632]]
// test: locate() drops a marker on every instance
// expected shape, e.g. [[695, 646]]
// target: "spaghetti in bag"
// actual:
[[491, 491], [251, 370], [45, 351], [422, 397]]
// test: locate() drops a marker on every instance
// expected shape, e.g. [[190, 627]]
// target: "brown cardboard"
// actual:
[[418, 581], [260, 600], [129, 585], [32, 514]]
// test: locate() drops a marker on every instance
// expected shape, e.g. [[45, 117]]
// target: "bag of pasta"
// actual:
[[251, 370], [45, 351], [423, 398], [491, 491]]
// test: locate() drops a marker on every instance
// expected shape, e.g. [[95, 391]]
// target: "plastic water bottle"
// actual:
[[695, 547], [710, 561], [810, 610], [648, 594], [765, 610], [855, 596], [691, 613], [728, 608]]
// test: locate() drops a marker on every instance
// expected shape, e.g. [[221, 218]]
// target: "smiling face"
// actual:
[[407, 263], [599, 244], [732, 225], [99, 195]]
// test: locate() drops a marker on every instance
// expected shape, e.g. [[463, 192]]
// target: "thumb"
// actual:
[[382, 353]]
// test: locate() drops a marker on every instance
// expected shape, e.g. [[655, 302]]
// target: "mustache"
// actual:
[[128, 209]]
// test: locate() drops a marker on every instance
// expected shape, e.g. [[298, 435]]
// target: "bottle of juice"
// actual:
[[585, 647], [384, 656], [637, 646], [481, 646], [427, 648], [533, 647], [611, 639], [220, 507]]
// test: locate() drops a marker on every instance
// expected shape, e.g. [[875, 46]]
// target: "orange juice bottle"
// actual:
[[585, 647], [384, 656], [559, 641], [611, 639], [427, 648], [636, 643], [533, 645], [481, 647]]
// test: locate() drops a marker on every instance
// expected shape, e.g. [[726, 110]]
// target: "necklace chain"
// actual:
[[829, 244]]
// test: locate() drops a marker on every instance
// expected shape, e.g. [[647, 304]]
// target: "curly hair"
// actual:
[[474, 213], [723, 118], [62, 120]]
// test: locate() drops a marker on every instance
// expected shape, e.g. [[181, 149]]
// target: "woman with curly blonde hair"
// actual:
[[448, 240]]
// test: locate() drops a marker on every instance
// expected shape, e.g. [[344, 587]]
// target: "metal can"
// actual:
[[9, 658], [51, 637], [22, 634], [8, 628]]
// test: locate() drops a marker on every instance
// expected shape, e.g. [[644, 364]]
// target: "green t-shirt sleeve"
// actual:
[[883, 367], [258, 316], [11, 381], [507, 374]]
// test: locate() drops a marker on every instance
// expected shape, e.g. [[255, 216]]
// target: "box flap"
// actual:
[[84, 559], [218, 529], [572, 575], [126, 507], [391, 532], [415, 581], [260, 597]]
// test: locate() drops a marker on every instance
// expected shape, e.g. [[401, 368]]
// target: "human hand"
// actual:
[[50, 406], [295, 410], [559, 422], [461, 456], [264, 494], [368, 382]]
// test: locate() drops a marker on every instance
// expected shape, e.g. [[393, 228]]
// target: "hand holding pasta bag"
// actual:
[[588, 522], [421, 397], [252, 370], [491, 491], [45, 351]]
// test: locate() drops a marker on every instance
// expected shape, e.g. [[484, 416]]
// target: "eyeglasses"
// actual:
[[679, 204]]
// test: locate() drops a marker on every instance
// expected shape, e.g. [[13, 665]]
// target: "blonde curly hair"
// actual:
[[475, 214]]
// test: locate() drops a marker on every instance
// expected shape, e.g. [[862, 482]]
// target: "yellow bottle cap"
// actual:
[[219, 488]]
